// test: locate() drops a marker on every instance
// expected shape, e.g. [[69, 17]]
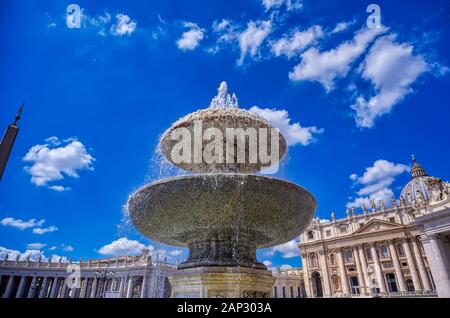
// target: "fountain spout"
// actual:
[[223, 99]]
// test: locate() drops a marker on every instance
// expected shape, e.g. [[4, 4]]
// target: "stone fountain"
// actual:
[[222, 212]]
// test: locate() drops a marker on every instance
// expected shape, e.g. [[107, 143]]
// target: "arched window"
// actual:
[[332, 259], [400, 250], [349, 256], [313, 260], [317, 284], [384, 251]]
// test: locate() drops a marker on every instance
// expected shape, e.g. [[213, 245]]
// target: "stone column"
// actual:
[[419, 260], [32, 287], [397, 266], [44, 286], [9, 287], [378, 272], [94, 288], [73, 291], [306, 275], [130, 287], [121, 286], [362, 258], [144, 286], [412, 265], [343, 273], [436, 260], [361, 278], [64, 288], [326, 276], [21, 287], [54, 287], [83, 288]]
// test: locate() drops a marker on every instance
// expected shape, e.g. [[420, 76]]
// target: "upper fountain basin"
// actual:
[[255, 143], [241, 208]]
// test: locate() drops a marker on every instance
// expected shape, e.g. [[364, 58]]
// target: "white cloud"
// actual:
[[99, 22], [124, 25], [341, 26], [295, 42], [56, 159], [191, 38], [220, 26], [294, 133], [20, 224], [326, 67], [252, 37], [59, 188], [32, 223], [122, 247], [43, 230], [287, 250], [276, 4], [36, 246], [67, 248], [285, 267], [267, 263], [175, 253], [376, 182], [391, 68], [53, 248], [227, 33], [31, 254]]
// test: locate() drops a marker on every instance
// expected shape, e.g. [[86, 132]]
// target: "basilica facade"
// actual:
[[400, 251]]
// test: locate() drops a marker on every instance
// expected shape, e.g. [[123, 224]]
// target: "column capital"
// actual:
[[391, 241], [405, 239]]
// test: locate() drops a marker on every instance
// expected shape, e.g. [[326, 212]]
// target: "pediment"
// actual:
[[375, 225]]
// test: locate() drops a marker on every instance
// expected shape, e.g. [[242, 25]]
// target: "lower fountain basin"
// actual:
[[222, 218]]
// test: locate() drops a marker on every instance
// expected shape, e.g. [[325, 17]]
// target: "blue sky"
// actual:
[[355, 102]]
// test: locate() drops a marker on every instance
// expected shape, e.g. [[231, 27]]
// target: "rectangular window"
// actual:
[[328, 233], [310, 235], [343, 229], [368, 254], [392, 219]]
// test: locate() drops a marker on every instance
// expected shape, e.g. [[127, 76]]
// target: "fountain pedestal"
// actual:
[[222, 282]]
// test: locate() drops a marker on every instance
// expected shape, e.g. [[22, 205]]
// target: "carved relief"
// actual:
[[438, 189]]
